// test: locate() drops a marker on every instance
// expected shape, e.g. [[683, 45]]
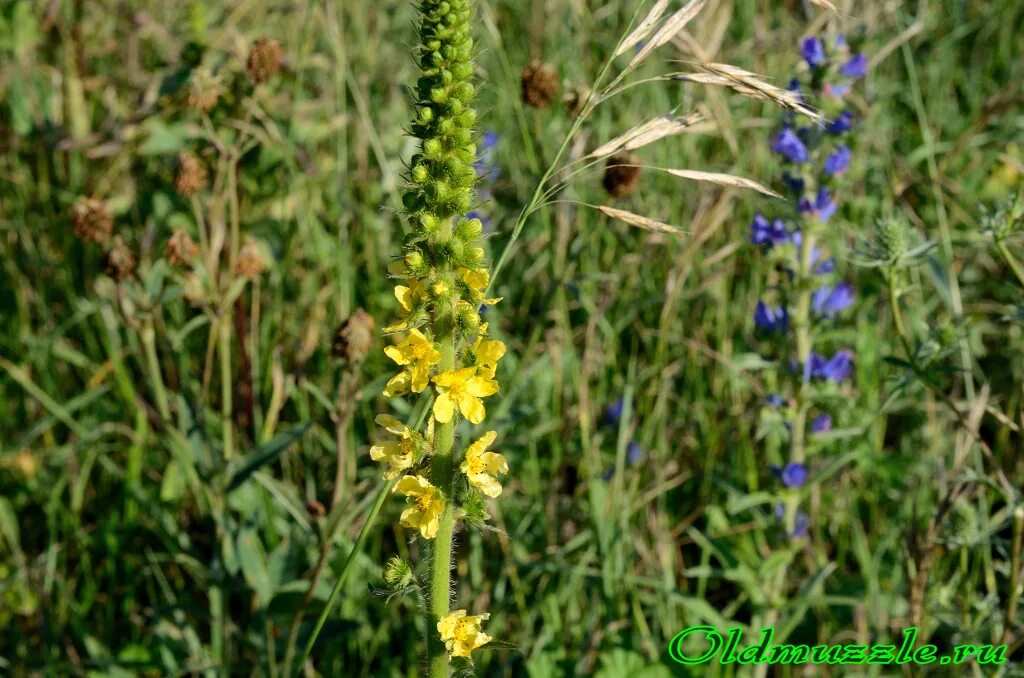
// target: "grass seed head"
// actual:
[[355, 338]]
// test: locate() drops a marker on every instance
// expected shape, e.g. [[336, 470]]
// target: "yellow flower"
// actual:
[[477, 279], [462, 390], [408, 299], [418, 353], [461, 633], [426, 504], [487, 353], [399, 453], [480, 467]]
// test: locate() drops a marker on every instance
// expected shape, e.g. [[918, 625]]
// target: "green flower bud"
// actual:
[[398, 574]]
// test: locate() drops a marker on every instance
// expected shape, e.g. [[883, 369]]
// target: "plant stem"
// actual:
[[802, 332], [1011, 260], [224, 334], [153, 365], [345, 569], [442, 467]]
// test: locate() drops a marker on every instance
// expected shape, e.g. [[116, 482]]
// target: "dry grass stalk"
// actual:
[[643, 222], [644, 28], [668, 30], [722, 180], [646, 133]]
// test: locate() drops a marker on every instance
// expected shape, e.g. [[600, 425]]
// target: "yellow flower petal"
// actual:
[[481, 388], [472, 408], [398, 385], [444, 409]]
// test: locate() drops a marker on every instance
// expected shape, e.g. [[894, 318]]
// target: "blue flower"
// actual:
[[813, 52], [795, 183], [837, 368], [856, 67], [775, 400], [771, 319], [790, 145], [823, 206], [764, 232], [613, 413], [828, 301], [800, 525], [842, 123], [793, 474], [821, 424], [634, 453], [838, 160], [837, 90]]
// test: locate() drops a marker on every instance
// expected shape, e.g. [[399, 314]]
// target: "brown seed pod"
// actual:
[[180, 248], [621, 176], [251, 260], [204, 91], [120, 262], [191, 175], [264, 60], [355, 337], [92, 221], [540, 84]]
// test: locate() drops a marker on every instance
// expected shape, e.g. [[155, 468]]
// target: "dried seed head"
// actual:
[[264, 60], [204, 91], [252, 260], [191, 175], [621, 175], [192, 289], [575, 99], [180, 248], [120, 261], [92, 221], [540, 84], [355, 337]]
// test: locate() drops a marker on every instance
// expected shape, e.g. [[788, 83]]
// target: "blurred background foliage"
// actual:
[[194, 199]]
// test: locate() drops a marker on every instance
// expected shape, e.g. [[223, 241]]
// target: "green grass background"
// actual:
[[116, 534]]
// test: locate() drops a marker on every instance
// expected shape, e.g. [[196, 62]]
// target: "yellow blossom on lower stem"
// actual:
[[418, 354], [426, 504], [481, 467], [409, 297], [487, 353], [461, 633], [462, 390], [399, 453], [477, 280]]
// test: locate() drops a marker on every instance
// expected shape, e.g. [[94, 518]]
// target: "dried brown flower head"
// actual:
[[120, 262], [252, 260], [540, 84], [92, 221], [191, 175], [621, 175], [204, 91], [180, 248], [264, 60], [315, 508], [355, 337]]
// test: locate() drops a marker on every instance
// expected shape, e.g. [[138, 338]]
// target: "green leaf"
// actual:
[[253, 562], [265, 454]]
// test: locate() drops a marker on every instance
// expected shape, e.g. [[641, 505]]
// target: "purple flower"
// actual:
[[775, 400], [771, 319], [764, 232], [490, 141], [795, 183], [856, 67], [613, 413], [813, 52], [790, 145], [842, 123], [800, 524], [793, 474], [837, 90], [829, 301], [838, 160], [634, 453], [823, 206], [837, 368], [821, 424]]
